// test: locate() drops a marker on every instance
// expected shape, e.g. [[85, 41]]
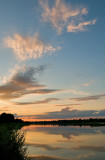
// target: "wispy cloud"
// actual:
[[28, 47], [4, 110], [88, 84], [67, 105], [78, 92], [82, 26], [44, 101], [25, 81], [85, 156], [44, 146], [62, 15], [89, 98], [78, 157], [92, 148], [46, 158]]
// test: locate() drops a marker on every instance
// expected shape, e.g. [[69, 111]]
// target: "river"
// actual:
[[65, 142]]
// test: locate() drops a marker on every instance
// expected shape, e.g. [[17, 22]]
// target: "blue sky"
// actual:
[[52, 52]]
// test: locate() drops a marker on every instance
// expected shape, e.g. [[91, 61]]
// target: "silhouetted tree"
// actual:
[[6, 117]]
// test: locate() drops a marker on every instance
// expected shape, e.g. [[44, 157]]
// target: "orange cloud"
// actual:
[[28, 47], [72, 27], [60, 15]]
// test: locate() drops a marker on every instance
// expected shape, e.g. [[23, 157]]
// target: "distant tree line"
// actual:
[[75, 122]]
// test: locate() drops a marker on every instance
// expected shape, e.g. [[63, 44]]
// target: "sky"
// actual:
[[52, 58]]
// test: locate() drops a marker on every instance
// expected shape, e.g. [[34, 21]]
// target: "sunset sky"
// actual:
[[52, 58]]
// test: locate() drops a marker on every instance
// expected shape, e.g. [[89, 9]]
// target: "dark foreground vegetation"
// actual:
[[11, 139], [12, 143]]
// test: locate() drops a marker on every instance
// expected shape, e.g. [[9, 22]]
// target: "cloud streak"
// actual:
[[44, 101], [62, 15], [47, 158], [89, 98], [25, 81], [65, 105], [44, 146], [92, 148], [28, 47], [78, 92]]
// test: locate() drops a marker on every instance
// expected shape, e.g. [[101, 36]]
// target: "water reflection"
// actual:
[[65, 143]]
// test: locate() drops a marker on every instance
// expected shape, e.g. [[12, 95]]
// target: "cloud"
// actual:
[[78, 92], [88, 84], [25, 81], [62, 15], [72, 27], [47, 91], [85, 156], [92, 148], [65, 105], [44, 101], [5, 107], [78, 157], [1, 110], [44, 146], [28, 47], [46, 158], [89, 98], [68, 113]]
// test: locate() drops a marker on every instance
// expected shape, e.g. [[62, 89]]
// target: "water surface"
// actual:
[[65, 142]]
